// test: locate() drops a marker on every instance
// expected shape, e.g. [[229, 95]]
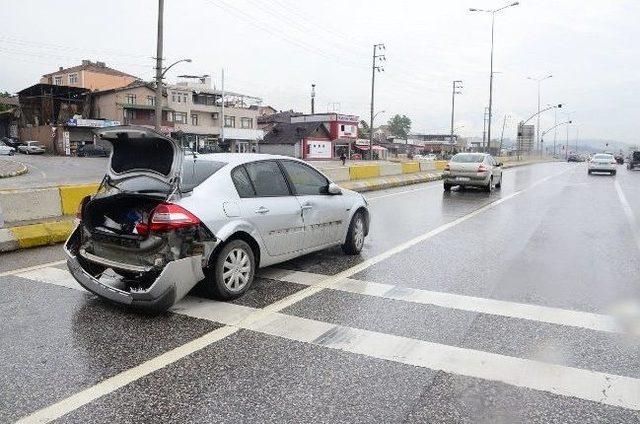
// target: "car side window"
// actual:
[[242, 182], [267, 179], [304, 179]]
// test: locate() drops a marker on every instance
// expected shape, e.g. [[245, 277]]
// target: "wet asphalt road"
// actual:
[[511, 307]]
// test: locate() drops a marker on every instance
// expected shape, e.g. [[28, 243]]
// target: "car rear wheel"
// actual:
[[447, 187], [355, 236], [489, 186], [499, 183], [232, 272], [613, 172]]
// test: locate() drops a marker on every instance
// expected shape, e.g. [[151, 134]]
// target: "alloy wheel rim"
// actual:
[[358, 233], [236, 270]]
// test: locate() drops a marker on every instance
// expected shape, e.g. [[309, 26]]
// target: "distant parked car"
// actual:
[[474, 170], [602, 162], [93, 150], [31, 148], [6, 150], [619, 158], [11, 142], [573, 158]]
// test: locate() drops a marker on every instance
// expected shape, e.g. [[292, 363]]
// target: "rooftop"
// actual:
[[88, 65]]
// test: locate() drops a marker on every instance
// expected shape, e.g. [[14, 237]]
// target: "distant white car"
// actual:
[[31, 148], [6, 150], [603, 162]]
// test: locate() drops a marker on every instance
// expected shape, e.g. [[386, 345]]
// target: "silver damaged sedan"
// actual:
[[163, 221]]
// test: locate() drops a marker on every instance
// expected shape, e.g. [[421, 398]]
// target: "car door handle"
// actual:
[[262, 210], [306, 206]]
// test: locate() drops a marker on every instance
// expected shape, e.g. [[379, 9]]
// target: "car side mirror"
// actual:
[[334, 189]]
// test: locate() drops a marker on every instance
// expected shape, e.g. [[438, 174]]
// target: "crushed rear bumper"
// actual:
[[175, 280]]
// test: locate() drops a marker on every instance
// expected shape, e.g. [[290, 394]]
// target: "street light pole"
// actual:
[[457, 84], [158, 101], [374, 67], [539, 81], [493, 17]]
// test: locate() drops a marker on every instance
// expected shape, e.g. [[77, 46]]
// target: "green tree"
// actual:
[[4, 107], [400, 125], [363, 129]]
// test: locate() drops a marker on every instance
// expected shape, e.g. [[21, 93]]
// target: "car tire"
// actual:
[[489, 186], [356, 235], [499, 183], [234, 256], [11, 153], [613, 172], [447, 187], [589, 172]]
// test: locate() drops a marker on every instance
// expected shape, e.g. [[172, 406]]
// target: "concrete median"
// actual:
[[32, 204]]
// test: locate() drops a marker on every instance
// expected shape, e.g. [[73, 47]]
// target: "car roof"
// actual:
[[239, 158]]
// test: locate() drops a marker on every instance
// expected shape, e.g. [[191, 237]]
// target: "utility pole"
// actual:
[[222, 114], [555, 130], [313, 98], [566, 150], [374, 68], [484, 129], [504, 123], [158, 101], [457, 84]]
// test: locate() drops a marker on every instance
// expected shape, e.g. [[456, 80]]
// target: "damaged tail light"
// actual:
[[169, 216]]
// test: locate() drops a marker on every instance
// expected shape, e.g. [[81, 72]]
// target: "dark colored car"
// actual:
[[11, 142], [93, 150], [619, 159], [573, 158], [634, 160]]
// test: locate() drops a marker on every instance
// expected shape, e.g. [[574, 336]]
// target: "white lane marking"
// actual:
[[73, 402], [565, 317], [30, 268], [225, 313], [57, 276], [430, 187], [628, 211], [118, 381]]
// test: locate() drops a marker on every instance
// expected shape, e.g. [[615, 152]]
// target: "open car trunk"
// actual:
[[131, 246]]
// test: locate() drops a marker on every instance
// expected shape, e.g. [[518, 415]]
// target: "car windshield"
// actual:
[[468, 158]]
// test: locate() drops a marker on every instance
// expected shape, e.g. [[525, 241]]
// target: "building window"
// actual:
[[129, 114], [342, 127], [57, 80], [73, 78], [173, 97], [180, 117], [151, 100], [246, 123], [194, 119], [131, 99], [184, 98], [230, 121]]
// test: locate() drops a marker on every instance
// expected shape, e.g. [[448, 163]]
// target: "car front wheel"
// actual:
[[355, 236], [231, 273]]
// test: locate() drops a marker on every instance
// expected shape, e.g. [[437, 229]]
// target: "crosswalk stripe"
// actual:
[[57, 276], [590, 385], [566, 317]]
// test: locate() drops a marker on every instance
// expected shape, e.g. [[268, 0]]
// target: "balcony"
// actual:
[[147, 122]]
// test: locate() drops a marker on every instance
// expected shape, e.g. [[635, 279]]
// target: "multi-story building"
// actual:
[[198, 114], [90, 75], [132, 105], [525, 142]]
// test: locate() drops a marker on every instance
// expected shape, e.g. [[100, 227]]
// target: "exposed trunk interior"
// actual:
[[111, 246]]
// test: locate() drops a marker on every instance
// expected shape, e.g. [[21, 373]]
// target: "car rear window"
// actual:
[[603, 157], [195, 172], [468, 158]]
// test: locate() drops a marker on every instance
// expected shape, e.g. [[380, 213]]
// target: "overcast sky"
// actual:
[[276, 49]]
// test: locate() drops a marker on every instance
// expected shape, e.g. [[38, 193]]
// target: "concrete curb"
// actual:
[[21, 170], [383, 183], [42, 234]]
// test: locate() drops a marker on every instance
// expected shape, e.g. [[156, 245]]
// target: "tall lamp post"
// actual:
[[539, 80], [158, 101], [493, 18]]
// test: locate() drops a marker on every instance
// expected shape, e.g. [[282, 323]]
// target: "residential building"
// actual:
[[198, 115], [315, 136], [132, 105], [267, 120], [90, 75]]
